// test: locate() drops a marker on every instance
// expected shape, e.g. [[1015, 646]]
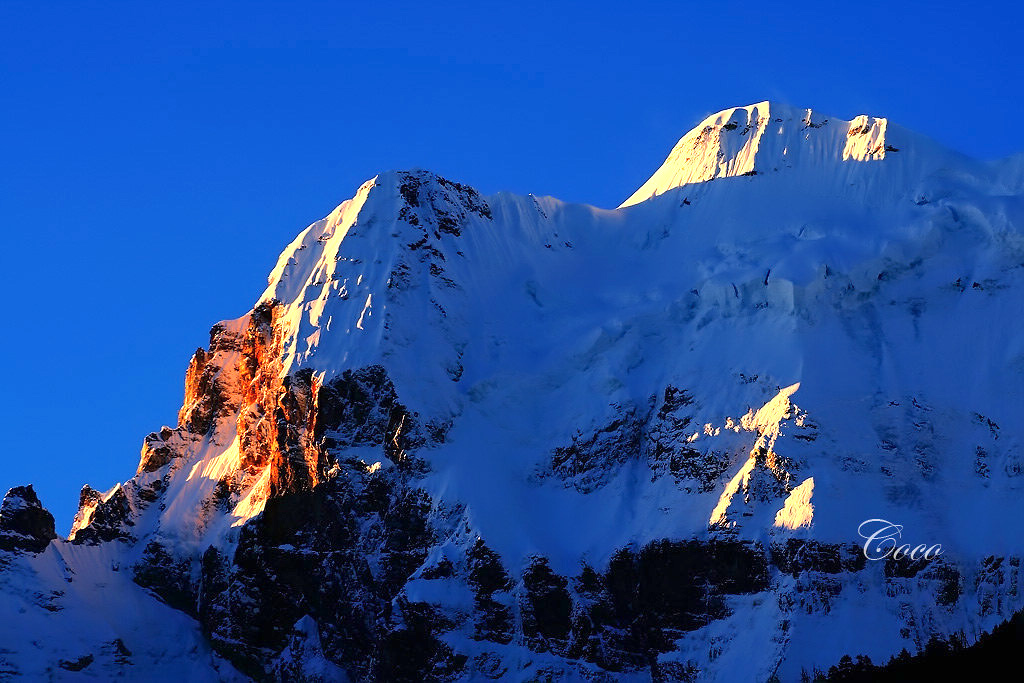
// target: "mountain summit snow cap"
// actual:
[[764, 137]]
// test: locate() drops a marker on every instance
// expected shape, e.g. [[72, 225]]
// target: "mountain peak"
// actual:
[[761, 137]]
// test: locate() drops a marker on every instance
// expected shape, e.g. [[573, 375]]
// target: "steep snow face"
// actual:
[[74, 612], [768, 137], [380, 274], [753, 365]]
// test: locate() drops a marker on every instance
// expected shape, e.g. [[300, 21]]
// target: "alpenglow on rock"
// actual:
[[465, 437]]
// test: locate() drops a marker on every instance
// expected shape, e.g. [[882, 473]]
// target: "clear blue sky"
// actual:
[[156, 157]]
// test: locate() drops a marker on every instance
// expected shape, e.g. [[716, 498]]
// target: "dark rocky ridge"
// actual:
[[25, 525]]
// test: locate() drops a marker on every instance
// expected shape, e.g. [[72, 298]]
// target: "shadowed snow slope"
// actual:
[[463, 436]]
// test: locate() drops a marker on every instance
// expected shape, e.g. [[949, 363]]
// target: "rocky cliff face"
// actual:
[[24, 524], [465, 437]]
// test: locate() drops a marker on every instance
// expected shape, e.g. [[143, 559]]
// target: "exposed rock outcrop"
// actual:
[[106, 517], [24, 523]]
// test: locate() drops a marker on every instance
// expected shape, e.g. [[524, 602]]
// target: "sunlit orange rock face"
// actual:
[[296, 464], [289, 428], [210, 382], [240, 378], [258, 382], [275, 420], [195, 411], [286, 423]]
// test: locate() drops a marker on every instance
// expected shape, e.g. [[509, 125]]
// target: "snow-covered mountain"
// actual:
[[465, 438]]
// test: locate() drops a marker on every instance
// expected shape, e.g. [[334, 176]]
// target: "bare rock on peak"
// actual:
[[24, 523]]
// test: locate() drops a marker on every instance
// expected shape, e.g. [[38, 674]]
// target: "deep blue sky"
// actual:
[[155, 160]]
